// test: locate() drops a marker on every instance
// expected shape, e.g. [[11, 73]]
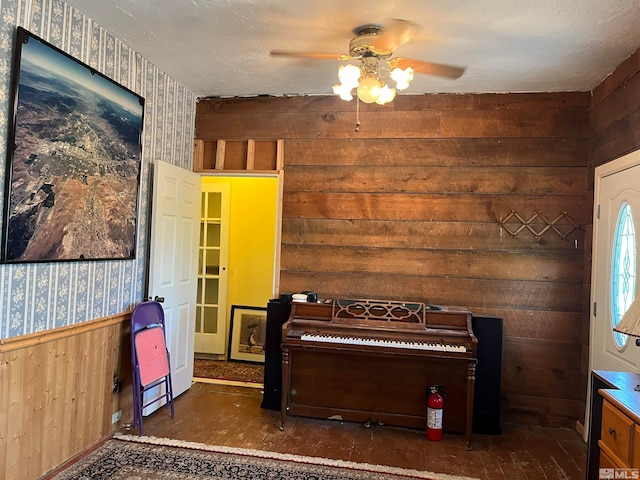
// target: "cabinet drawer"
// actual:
[[617, 432], [635, 455], [606, 461]]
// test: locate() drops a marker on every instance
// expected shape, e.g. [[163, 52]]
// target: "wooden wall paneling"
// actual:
[[422, 234], [56, 386], [538, 410], [619, 77], [541, 382], [121, 367], [424, 152], [616, 140], [537, 353], [35, 378], [5, 400], [409, 208], [52, 434], [438, 178], [318, 125], [324, 104], [560, 267], [236, 154], [463, 118], [618, 105], [560, 122], [266, 155], [537, 324], [15, 435], [431, 207], [521, 294]]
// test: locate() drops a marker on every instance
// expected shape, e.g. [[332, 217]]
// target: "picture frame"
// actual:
[[247, 333], [73, 163]]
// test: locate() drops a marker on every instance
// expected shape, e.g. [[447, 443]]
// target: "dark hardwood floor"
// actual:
[[231, 416]]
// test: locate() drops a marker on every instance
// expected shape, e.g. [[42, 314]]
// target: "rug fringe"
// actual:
[[289, 457]]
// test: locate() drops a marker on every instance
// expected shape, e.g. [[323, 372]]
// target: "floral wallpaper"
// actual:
[[42, 296]]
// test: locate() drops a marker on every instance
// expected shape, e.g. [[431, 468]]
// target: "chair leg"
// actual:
[[139, 409], [170, 395]]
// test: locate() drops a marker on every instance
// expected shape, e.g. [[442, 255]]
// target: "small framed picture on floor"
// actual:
[[247, 333]]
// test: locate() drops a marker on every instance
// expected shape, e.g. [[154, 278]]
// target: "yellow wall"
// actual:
[[252, 239]]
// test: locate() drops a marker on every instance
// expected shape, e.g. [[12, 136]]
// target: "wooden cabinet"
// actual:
[[620, 431], [605, 383], [211, 299], [616, 435], [233, 156]]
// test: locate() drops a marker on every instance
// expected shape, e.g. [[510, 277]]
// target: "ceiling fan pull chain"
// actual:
[[357, 114]]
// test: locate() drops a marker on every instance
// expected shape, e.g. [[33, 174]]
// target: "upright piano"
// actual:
[[373, 361]]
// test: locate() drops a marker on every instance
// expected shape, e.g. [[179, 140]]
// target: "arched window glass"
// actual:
[[623, 273]]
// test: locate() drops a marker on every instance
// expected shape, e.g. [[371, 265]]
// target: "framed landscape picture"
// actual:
[[73, 160], [247, 333]]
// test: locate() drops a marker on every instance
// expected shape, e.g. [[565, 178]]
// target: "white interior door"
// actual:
[[175, 223], [615, 269], [614, 274]]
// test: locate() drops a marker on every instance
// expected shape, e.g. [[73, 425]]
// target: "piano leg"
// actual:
[[471, 379], [286, 381]]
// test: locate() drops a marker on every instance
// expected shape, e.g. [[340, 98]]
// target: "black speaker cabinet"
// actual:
[[277, 314], [486, 399]]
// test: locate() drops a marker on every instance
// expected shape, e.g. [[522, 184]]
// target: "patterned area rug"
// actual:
[[128, 457], [232, 371]]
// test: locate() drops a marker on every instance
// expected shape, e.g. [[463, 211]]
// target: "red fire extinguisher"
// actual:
[[435, 405]]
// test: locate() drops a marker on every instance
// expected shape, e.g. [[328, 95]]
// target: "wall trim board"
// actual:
[[37, 338]]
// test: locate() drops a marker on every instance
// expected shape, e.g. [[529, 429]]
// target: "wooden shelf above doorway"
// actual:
[[238, 156]]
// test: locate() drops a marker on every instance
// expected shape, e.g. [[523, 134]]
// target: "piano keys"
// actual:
[[383, 342], [374, 361]]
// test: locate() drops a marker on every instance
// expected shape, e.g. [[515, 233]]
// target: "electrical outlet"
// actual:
[[116, 416]]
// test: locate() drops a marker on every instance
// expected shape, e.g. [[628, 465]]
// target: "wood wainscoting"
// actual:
[[56, 393]]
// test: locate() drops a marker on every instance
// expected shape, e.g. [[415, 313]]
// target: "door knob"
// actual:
[[158, 299]]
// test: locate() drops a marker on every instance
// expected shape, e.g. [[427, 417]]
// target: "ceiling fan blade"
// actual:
[[429, 68], [317, 55], [395, 33]]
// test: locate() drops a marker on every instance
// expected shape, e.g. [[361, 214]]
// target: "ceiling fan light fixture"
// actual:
[[373, 46], [402, 77]]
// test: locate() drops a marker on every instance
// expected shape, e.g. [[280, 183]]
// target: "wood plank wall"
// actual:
[[409, 208], [614, 131], [56, 393]]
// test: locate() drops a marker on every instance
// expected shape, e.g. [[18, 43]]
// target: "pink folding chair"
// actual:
[[149, 358]]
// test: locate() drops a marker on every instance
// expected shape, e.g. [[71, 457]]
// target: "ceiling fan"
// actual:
[[374, 45]]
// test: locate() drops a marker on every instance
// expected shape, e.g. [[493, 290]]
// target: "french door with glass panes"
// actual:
[[211, 303]]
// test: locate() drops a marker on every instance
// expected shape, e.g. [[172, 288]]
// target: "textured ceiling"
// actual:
[[221, 47]]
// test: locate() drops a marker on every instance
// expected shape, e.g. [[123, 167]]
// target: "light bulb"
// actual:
[[386, 95], [349, 75], [344, 91], [402, 77], [369, 89]]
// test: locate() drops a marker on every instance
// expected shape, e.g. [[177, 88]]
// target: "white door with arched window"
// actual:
[[615, 279]]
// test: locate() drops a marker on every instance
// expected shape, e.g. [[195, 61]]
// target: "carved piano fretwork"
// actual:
[[373, 361]]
